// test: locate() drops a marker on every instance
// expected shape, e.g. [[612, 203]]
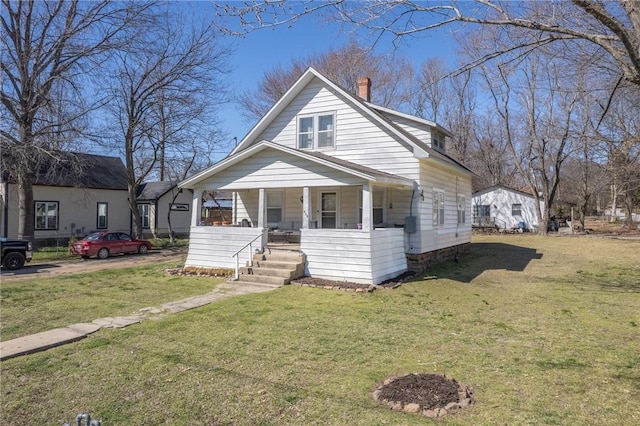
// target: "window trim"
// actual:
[[266, 206], [462, 209], [35, 211], [106, 215], [519, 210], [438, 206], [315, 131], [142, 216]]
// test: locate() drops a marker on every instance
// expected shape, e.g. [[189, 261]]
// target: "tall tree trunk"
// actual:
[[136, 224], [26, 216], [614, 202]]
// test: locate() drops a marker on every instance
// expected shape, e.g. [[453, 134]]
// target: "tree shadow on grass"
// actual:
[[482, 257]]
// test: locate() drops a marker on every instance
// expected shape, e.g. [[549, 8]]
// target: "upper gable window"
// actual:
[[437, 141], [317, 131]]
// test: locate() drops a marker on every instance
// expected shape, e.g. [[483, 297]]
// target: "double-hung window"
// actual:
[[274, 208], [316, 131], [102, 221], [438, 207], [516, 209], [462, 207], [46, 215], [145, 213]]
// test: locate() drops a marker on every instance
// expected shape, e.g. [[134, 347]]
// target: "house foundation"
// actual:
[[423, 261]]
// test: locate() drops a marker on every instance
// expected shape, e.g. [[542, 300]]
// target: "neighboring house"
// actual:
[[218, 207], [368, 192], [156, 200], [505, 208], [71, 198]]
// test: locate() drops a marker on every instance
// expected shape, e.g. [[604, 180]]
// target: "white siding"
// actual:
[[359, 138], [418, 130], [214, 246], [180, 220], [270, 169], [77, 207], [501, 200], [352, 255], [430, 237]]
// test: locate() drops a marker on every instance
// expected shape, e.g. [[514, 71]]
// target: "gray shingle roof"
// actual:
[[76, 170], [154, 190]]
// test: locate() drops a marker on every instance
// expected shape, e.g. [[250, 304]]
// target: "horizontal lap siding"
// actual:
[[356, 256], [431, 238], [338, 254], [359, 138], [270, 169], [388, 254], [420, 131], [214, 246]]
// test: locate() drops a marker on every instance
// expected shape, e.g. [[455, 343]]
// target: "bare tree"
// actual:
[[343, 66], [537, 107], [489, 156], [46, 48], [162, 84], [611, 26], [619, 130]]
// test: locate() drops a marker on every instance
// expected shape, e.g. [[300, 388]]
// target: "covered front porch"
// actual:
[[352, 222], [353, 232]]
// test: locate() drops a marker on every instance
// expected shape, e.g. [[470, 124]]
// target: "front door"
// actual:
[[329, 212]]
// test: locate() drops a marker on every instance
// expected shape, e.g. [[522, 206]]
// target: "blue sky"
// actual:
[[262, 50]]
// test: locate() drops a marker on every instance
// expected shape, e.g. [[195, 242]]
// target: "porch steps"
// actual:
[[273, 268]]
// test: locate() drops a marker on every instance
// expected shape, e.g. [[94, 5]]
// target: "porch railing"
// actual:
[[236, 275]]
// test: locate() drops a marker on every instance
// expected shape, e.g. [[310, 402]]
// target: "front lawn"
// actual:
[[545, 330], [40, 304]]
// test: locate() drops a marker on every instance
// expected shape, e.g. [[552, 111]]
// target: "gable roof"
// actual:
[[506, 188], [77, 170], [420, 149], [348, 167], [154, 190]]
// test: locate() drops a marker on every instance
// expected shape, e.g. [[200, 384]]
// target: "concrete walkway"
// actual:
[[60, 336]]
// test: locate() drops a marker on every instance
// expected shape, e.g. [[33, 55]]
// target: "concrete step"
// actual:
[[245, 287], [264, 279], [280, 256], [276, 264], [270, 272]]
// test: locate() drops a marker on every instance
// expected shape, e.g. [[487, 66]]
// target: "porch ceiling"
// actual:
[[269, 165]]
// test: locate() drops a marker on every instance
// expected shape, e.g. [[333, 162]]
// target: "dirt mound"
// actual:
[[433, 395]]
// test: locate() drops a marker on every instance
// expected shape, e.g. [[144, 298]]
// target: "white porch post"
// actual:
[[195, 208], [366, 207], [261, 206], [306, 208], [234, 207]]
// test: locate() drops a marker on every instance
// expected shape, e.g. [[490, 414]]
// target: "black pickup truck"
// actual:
[[15, 253]]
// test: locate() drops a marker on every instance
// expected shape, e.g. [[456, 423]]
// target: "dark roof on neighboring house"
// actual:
[[154, 190], [76, 170]]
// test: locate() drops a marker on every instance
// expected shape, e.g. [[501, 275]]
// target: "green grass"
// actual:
[[545, 330], [31, 306]]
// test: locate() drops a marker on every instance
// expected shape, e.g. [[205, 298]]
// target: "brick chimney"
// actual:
[[364, 88]]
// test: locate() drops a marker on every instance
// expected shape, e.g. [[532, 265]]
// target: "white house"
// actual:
[[367, 191], [505, 208], [156, 200], [71, 198]]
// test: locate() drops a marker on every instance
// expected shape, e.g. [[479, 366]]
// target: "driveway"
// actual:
[[77, 266]]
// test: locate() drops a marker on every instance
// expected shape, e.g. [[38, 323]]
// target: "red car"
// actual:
[[105, 244]]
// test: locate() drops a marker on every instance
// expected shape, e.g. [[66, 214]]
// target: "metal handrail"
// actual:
[[236, 275]]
